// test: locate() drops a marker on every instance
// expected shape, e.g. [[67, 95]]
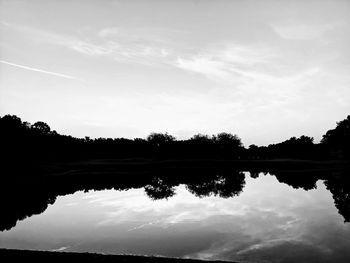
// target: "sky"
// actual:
[[264, 70]]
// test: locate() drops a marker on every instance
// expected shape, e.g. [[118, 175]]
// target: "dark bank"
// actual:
[[37, 143], [44, 256]]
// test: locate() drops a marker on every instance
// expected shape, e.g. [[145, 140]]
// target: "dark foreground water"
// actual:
[[268, 221]]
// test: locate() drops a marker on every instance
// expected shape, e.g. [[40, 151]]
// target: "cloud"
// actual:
[[116, 50], [295, 31], [109, 32], [123, 48], [89, 48], [39, 70], [116, 44], [257, 75], [227, 62], [205, 66], [132, 53]]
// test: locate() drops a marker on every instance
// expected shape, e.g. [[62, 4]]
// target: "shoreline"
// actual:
[[88, 257], [130, 166], [108, 168]]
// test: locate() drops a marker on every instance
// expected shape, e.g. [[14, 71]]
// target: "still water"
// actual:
[[268, 221]]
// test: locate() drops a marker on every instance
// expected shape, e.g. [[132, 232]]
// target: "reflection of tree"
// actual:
[[338, 183], [158, 189], [19, 202], [304, 180], [339, 186], [30, 194], [26, 196], [254, 174], [224, 186]]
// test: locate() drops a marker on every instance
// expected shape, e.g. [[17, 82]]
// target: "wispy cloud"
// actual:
[[204, 65], [88, 48], [109, 32], [303, 31], [112, 43], [258, 78], [38, 70], [118, 50], [228, 62], [244, 64]]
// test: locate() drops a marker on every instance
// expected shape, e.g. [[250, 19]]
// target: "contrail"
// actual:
[[38, 70]]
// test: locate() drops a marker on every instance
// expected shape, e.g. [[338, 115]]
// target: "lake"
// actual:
[[250, 218]]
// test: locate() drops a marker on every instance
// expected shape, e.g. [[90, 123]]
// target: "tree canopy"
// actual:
[[37, 141]]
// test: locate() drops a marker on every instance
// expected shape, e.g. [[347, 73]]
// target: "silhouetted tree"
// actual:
[[228, 145], [21, 140], [201, 138], [253, 152], [337, 141], [228, 139], [298, 148], [10, 121], [339, 185], [158, 139], [42, 127]]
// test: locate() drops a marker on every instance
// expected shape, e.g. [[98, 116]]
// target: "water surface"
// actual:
[[268, 222]]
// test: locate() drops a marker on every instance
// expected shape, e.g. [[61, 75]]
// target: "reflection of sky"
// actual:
[[268, 221]]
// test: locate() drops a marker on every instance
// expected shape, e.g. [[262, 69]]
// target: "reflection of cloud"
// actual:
[[265, 221], [288, 251], [144, 225], [59, 249], [183, 207], [278, 233], [72, 204]]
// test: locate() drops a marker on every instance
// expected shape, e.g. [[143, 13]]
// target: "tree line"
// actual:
[[23, 141]]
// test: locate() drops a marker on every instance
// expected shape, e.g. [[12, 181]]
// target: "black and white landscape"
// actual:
[[175, 131]]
